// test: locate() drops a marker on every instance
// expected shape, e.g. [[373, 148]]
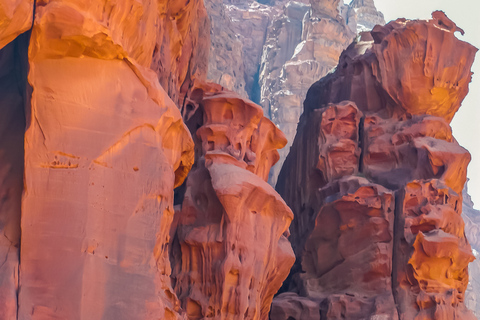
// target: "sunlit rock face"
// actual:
[[16, 17], [375, 180], [132, 188], [104, 146], [280, 49], [230, 250]]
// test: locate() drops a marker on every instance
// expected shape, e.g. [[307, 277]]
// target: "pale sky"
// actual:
[[466, 124]]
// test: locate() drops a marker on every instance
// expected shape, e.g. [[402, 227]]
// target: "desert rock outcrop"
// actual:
[[133, 188], [99, 128], [472, 232], [231, 252], [374, 154], [285, 47]]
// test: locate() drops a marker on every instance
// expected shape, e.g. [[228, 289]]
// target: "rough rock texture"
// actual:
[[13, 100], [302, 45], [231, 252], [366, 15], [285, 47], [472, 232], [225, 65], [375, 180], [104, 148], [110, 111], [432, 254], [15, 18], [429, 77], [180, 52], [251, 22]]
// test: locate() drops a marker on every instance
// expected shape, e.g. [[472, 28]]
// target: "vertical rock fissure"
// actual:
[[13, 102], [361, 145], [396, 237]]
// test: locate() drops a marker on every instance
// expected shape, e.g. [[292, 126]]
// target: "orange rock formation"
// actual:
[[104, 148], [110, 112], [375, 180], [231, 250]]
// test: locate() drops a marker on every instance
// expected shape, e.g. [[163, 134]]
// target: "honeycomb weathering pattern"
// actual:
[[375, 180], [231, 251], [109, 113]]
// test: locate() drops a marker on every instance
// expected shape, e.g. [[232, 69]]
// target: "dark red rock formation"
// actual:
[[231, 252], [375, 182]]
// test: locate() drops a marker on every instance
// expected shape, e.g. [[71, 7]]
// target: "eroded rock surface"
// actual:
[[472, 232], [231, 252], [13, 101], [115, 112], [16, 17], [286, 47], [374, 156], [104, 148]]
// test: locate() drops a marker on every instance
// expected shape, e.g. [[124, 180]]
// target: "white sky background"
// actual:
[[466, 124]]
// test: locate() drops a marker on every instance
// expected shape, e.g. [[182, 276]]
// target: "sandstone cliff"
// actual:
[[133, 188], [230, 250], [374, 155], [285, 47], [104, 147]]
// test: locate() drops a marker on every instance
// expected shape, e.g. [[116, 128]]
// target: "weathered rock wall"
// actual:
[[110, 110], [286, 47], [375, 180], [104, 148], [15, 19], [472, 232], [13, 101], [230, 251]]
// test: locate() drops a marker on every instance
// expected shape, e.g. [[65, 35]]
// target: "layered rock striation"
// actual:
[[375, 180]]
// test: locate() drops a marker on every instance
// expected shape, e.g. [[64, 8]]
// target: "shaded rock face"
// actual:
[[375, 180], [231, 252], [15, 19], [285, 47], [13, 100]]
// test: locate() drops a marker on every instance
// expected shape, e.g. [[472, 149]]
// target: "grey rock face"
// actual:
[[226, 52], [472, 231]]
